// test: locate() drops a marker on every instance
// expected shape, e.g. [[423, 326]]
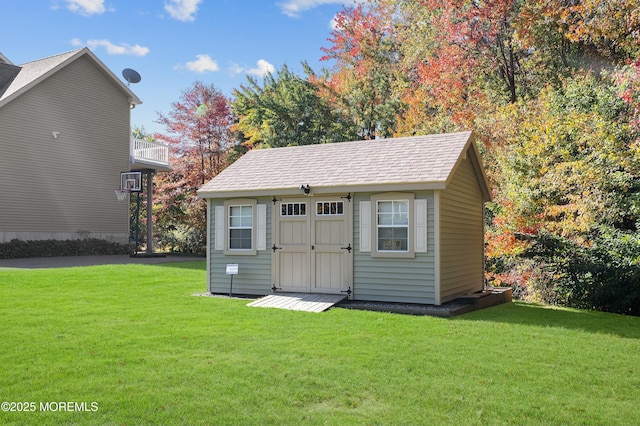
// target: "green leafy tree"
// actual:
[[286, 111]]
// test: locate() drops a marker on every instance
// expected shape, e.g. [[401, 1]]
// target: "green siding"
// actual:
[[392, 279], [461, 237], [254, 271]]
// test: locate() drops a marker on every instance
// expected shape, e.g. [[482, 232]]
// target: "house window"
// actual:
[[392, 225], [330, 208], [241, 227]]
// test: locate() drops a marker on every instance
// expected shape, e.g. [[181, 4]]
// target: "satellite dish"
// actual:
[[131, 76]]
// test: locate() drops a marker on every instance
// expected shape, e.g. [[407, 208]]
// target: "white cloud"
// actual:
[[294, 8], [202, 64], [333, 23], [182, 10], [263, 68], [86, 7], [112, 49], [235, 69]]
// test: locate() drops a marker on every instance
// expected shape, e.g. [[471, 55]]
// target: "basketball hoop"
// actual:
[[121, 193]]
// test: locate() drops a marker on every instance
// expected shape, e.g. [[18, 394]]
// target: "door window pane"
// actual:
[[329, 208], [293, 209]]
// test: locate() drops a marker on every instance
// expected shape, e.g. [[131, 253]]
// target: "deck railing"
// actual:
[[147, 151]]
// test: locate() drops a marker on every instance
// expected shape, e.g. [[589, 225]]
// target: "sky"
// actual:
[[173, 43]]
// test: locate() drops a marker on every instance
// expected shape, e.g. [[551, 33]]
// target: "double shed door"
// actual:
[[312, 245]]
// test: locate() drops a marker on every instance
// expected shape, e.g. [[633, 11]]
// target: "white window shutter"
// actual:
[[261, 235], [219, 228], [365, 226], [420, 225]]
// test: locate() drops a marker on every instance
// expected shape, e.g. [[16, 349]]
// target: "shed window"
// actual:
[[393, 225], [240, 227]]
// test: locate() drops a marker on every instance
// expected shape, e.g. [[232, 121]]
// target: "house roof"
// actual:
[[18, 79], [408, 163], [4, 59]]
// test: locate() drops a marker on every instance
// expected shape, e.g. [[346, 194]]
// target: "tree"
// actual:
[[459, 58], [199, 137], [199, 125], [362, 82], [611, 26], [567, 185], [285, 111], [552, 89]]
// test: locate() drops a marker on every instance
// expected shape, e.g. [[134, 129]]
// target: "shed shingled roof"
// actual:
[[417, 162]]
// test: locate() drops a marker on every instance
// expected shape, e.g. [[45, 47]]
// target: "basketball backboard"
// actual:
[[131, 181]]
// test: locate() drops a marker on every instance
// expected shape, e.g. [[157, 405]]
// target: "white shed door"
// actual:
[[291, 246], [313, 247]]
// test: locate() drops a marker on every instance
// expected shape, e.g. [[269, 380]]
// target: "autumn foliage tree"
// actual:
[[362, 82], [198, 133], [551, 88]]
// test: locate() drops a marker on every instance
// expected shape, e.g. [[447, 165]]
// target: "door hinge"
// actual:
[[348, 247], [274, 248]]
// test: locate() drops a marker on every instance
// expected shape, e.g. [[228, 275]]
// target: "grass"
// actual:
[[134, 340]]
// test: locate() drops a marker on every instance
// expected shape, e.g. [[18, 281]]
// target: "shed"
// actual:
[[392, 220]]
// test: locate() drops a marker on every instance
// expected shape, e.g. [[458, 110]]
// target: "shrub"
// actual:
[[48, 248], [183, 239], [602, 275]]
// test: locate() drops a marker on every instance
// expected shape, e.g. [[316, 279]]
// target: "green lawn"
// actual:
[[133, 340]]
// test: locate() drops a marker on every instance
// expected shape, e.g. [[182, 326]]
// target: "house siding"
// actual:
[[254, 271], [461, 234], [63, 188], [409, 280]]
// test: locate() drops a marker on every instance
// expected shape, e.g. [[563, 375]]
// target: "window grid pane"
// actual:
[[240, 239], [393, 225], [240, 227]]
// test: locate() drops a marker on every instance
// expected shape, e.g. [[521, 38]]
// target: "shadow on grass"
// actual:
[[531, 314]]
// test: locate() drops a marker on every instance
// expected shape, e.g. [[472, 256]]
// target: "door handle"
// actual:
[[313, 247]]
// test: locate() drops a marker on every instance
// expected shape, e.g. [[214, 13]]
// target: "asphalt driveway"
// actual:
[[70, 261]]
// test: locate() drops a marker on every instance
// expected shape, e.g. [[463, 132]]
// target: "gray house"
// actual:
[[64, 141], [397, 220]]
